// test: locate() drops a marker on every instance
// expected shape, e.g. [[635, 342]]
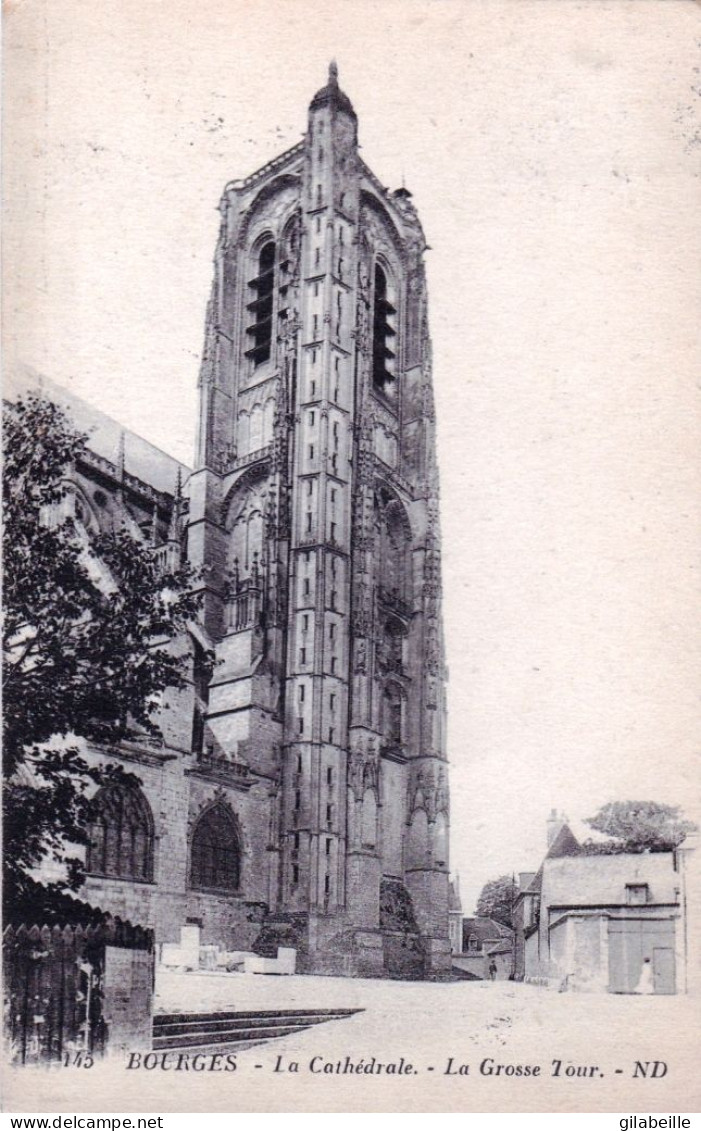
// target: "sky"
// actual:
[[553, 152]]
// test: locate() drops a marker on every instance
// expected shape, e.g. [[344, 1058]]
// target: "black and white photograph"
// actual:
[[350, 644]]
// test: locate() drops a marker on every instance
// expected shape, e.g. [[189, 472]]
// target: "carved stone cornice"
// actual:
[[234, 775]]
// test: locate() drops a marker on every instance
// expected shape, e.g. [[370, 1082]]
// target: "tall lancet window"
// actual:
[[262, 289], [383, 336], [392, 715], [215, 862], [121, 834]]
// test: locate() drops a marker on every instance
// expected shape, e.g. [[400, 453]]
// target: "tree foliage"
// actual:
[[496, 900], [84, 655], [638, 826]]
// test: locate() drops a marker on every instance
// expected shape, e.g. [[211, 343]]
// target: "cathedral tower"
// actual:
[[314, 517]]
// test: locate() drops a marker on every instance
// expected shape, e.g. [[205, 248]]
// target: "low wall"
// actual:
[[178, 992], [474, 964]]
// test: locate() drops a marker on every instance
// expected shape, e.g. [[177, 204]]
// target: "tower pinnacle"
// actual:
[[332, 95]]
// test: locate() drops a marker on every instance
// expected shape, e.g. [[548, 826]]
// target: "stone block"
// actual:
[[190, 946], [286, 959], [172, 955], [285, 963], [208, 957]]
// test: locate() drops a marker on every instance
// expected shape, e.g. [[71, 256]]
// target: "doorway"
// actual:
[[663, 971]]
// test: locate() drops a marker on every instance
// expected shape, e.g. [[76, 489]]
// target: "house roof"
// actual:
[[505, 947], [484, 929], [564, 844]]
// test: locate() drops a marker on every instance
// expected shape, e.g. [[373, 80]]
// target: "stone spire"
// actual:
[[119, 522], [121, 458], [175, 526]]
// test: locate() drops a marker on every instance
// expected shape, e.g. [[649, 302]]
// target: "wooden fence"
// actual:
[[56, 991]]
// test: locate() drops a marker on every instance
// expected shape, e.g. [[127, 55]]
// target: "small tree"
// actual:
[[496, 900], [639, 826], [83, 656]]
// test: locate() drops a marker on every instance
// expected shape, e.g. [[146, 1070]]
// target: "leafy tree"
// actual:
[[639, 826], [496, 900], [85, 646]]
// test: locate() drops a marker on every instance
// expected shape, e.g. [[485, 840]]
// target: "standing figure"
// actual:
[[646, 983]]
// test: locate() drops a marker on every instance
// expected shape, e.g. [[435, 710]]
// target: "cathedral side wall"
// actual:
[[226, 922], [176, 800], [233, 921], [126, 899], [159, 904]]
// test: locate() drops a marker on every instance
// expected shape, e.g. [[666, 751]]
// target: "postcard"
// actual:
[[350, 554]]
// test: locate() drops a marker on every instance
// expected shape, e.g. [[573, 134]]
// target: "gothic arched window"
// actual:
[[255, 437], [440, 852], [418, 839], [216, 851], [394, 534], [392, 714], [390, 647], [121, 834], [244, 521], [262, 289], [395, 557], [243, 434], [369, 829], [268, 419], [383, 335]]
